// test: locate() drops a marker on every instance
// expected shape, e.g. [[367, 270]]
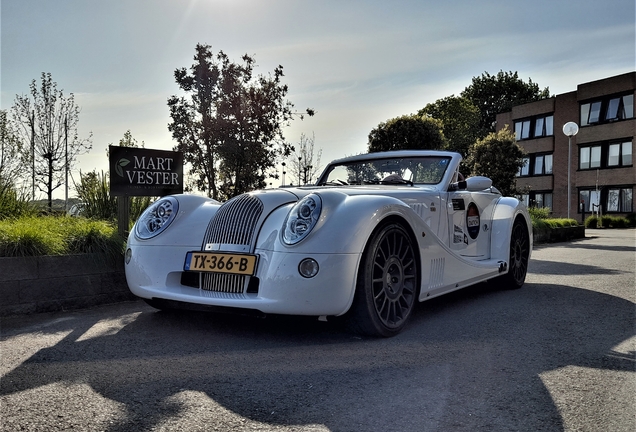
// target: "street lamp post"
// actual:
[[284, 172], [570, 129]]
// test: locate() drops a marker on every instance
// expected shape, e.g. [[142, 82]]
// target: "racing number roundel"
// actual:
[[472, 220]]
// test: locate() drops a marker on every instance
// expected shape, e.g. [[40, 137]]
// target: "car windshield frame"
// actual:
[[411, 170]]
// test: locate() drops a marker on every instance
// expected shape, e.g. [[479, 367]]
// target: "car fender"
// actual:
[[345, 224], [188, 227], [505, 213]]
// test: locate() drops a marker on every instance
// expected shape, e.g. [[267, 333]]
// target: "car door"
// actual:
[[469, 222]]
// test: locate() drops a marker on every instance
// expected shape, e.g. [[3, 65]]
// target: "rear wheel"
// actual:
[[519, 256], [387, 284]]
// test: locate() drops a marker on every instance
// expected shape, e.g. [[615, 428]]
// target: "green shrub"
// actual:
[[607, 221], [48, 235], [591, 222], [559, 223], [94, 192], [614, 222], [539, 213], [12, 203]]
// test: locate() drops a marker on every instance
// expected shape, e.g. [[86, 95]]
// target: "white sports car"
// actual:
[[376, 233]]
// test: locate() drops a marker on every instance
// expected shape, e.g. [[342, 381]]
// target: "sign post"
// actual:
[[142, 172]]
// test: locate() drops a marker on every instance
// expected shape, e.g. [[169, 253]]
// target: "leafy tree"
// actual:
[[9, 149], [229, 125], [494, 94], [407, 132], [304, 162], [499, 157], [460, 119], [47, 127]]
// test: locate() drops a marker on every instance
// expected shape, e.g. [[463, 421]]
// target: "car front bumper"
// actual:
[[156, 272]]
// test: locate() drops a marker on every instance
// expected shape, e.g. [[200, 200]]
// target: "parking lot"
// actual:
[[556, 355]]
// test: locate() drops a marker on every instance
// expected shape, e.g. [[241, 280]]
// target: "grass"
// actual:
[[50, 235]]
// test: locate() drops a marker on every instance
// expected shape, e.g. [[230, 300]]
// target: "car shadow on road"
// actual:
[[470, 360]]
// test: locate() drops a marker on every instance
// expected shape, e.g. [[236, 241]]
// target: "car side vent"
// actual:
[[235, 222], [436, 276]]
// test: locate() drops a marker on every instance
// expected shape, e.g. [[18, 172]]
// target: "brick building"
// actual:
[[602, 172]]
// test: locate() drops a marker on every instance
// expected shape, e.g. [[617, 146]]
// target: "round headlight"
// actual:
[[156, 218], [301, 219]]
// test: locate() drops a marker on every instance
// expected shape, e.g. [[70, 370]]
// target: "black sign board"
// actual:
[[144, 172]]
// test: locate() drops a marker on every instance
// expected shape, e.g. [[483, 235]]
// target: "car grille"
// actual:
[[234, 224]]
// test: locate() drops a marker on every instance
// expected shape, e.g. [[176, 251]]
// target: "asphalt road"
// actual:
[[556, 355]]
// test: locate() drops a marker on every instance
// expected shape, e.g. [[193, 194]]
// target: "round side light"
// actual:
[[308, 268]]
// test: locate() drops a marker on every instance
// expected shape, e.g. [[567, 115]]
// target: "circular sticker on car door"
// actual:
[[472, 220]]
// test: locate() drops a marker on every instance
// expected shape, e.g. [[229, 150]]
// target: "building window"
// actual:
[[607, 155], [536, 165], [525, 168], [539, 199], [590, 157], [543, 164], [534, 127], [590, 200], [626, 153], [616, 199], [608, 109], [619, 200], [522, 130]]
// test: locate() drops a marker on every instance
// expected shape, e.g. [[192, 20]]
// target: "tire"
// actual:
[[388, 283], [519, 256]]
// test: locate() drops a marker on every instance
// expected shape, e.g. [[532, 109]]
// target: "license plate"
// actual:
[[214, 262]]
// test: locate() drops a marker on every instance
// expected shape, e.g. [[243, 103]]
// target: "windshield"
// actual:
[[413, 170]]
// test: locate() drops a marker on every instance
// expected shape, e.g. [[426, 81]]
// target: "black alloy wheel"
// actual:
[[388, 283]]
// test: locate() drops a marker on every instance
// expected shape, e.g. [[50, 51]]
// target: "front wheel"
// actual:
[[387, 284]]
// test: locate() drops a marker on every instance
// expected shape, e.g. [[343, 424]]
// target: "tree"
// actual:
[[407, 132], [229, 128], [494, 94], [301, 162], [460, 119], [9, 149], [47, 123], [498, 157]]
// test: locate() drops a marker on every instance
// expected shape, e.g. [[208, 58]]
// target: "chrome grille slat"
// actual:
[[225, 283], [234, 224]]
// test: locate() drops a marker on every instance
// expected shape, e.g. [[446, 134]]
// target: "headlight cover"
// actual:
[[156, 218], [301, 219]]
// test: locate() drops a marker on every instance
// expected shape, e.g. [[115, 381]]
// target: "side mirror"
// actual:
[[478, 183]]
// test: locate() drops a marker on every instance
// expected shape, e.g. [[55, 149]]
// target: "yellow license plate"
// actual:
[[214, 262]]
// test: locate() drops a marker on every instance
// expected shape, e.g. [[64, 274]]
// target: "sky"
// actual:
[[356, 63]]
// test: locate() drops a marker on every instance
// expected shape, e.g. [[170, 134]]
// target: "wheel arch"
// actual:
[[507, 212], [388, 220]]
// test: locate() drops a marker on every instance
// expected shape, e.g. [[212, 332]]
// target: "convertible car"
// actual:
[[377, 233]]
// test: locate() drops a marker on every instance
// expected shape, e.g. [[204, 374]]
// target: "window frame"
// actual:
[[603, 159], [526, 128], [608, 109], [611, 199]]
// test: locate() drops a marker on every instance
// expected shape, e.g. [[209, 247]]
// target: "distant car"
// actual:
[[76, 209], [377, 233]]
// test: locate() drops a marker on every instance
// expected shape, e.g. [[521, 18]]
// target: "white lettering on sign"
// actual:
[[152, 178], [157, 163], [152, 171]]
